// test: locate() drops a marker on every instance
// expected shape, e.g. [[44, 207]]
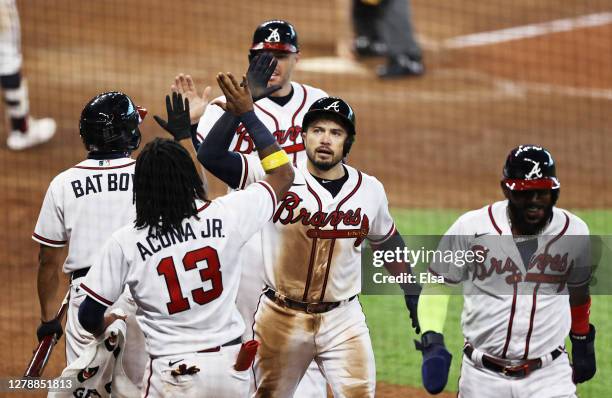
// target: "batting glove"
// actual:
[[179, 123], [436, 361], [412, 303], [583, 356], [45, 329], [260, 70]]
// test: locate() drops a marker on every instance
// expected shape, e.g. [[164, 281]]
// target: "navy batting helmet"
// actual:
[[530, 167], [275, 35], [336, 109], [109, 122]]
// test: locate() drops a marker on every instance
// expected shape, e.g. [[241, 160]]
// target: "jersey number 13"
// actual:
[[178, 302]]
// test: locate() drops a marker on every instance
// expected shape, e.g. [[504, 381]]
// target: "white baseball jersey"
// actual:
[[84, 205], [184, 282], [312, 249], [513, 309], [284, 122]]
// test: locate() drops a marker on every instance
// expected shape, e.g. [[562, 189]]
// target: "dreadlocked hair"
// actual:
[[166, 186]]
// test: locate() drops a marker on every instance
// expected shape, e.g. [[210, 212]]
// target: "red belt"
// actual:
[[310, 308]]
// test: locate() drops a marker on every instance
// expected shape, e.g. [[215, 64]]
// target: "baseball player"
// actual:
[[525, 291], [180, 261], [311, 250], [282, 113], [25, 131], [81, 209]]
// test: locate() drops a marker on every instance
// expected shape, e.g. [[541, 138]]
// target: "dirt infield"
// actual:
[[437, 141]]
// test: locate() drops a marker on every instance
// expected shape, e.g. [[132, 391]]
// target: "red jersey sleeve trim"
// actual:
[[384, 238], [48, 242], [96, 296]]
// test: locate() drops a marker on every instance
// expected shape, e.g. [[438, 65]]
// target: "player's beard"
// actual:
[[323, 165], [520, 223]]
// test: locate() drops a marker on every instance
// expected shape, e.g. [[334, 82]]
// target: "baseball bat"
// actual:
[[42, 353]]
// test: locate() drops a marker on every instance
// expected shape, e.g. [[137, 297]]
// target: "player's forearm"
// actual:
[[213, 154], [433, 305], [47, 284]]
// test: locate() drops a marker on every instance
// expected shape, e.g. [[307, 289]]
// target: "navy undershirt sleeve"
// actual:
[[213, 153], [91, 315], [261, 136]]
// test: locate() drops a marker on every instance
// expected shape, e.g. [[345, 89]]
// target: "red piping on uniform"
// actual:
[[149, 378], [204, 206], [331, 248], [384, 238], [301, 105], [314, 246], [493, 220], [267, 186], [531, 318], [253, 330], [512, 310], [245, 170], [276, 125], [537, 286], [96, 295], [103, 168], [50, 241]]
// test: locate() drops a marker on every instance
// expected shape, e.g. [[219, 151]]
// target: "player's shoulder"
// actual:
[[575, 224], [481, 219], [369, 182], [312, 93]]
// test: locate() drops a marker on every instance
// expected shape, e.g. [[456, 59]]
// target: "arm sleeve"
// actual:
[[454, 240], [91, 315], [382, 226], [50, 230], [213, 154], [105, 280], [252, 207]]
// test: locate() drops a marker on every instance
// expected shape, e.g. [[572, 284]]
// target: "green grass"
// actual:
[[398, 362]]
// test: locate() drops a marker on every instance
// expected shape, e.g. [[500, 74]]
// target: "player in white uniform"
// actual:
[[81, 209], [282, 113], [523, 294], [25, 131], [180, 261], [311, 249]]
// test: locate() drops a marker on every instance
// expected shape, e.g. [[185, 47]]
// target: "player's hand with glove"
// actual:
[[178, 124], [436, 361], [184, 85], [583, 355], [261, 68], [47, 328]]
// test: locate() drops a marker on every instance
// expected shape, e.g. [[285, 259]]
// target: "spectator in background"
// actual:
[[383, 28], [25, 131]]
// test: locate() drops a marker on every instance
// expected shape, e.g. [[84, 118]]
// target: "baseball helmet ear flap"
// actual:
[[109, 122]]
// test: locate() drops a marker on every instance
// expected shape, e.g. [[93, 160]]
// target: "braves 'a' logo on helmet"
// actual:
[[536, 171], [273, 37], [335, 106]]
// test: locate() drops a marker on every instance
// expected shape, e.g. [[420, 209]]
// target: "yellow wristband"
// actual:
[[274, 160]]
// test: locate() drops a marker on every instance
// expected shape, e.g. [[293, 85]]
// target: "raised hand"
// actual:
[[237, 95], [178, 124], [184, 85], [261, 68]]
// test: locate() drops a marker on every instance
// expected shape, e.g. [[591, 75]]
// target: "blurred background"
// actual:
[[497, 74]]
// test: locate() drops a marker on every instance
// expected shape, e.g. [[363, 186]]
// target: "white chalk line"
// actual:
[[529, 31]]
